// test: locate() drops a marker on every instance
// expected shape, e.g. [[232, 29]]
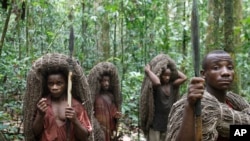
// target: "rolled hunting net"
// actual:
[[95, 75], [35, 87], [157, 64]]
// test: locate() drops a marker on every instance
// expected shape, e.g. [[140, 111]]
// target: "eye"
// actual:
[[60, 83], [230, 67], [215, 67], [50, 83]]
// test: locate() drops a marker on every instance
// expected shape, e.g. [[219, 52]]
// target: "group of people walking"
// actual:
[[165, 115]]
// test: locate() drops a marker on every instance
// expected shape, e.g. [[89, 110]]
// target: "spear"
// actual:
[[69, 94], [196, 59]]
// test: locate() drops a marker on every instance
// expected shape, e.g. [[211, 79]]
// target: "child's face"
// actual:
[[105, 83], [57, 85], [165, 76]]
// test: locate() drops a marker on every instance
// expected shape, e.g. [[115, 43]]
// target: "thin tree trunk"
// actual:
[[97, 39], [142, 35], [184, 33], [237, 39], [165, 46], [84, 30], [104, 39], [229, 37], [105, 43], [214, 30], [122, 43], [5, 29], [19, 40], [237, 22], [27, 29], [114, 41], [228, 26]]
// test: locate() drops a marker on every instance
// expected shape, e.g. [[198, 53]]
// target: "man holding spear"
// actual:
[[209, 108], [220, 107]]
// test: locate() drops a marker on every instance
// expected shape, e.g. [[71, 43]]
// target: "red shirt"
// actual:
[[53, 132], [104, 113]]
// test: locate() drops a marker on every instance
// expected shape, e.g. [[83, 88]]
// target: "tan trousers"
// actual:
[[156, 135]]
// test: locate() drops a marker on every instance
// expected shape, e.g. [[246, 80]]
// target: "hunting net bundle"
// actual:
[[157, 65], [216, 116], [36, 87], [95, 75]]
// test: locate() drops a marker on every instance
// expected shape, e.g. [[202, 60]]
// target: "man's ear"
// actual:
[[202, 73]]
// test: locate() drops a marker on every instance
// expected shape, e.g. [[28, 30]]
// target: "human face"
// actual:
[[165, 76], [57, 85], [219, 72], [105, 83]]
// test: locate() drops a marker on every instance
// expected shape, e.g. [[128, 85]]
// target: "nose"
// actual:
[[225, 71], [167, 77], [54, 86], [106, 83]]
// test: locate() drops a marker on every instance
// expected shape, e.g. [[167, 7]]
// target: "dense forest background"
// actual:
[[128, 33]]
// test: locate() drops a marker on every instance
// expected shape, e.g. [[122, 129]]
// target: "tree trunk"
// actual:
[[228, 26], [165, 47], [230, 47], [27, 30], [84, 33], [5, 29], [104, 40], [214, 31], [237, 19]]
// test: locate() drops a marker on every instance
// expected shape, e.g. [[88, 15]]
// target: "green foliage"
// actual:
[[242, 66], [12, 86], [11, 121], [131, 92], [12, 75], [139, 30]]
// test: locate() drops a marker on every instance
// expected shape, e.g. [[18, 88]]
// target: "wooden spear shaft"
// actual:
[[196, 55], [69, 92]]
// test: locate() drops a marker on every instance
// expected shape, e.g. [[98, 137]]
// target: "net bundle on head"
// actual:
[[36, 86], [158, 64], [95, 75]]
